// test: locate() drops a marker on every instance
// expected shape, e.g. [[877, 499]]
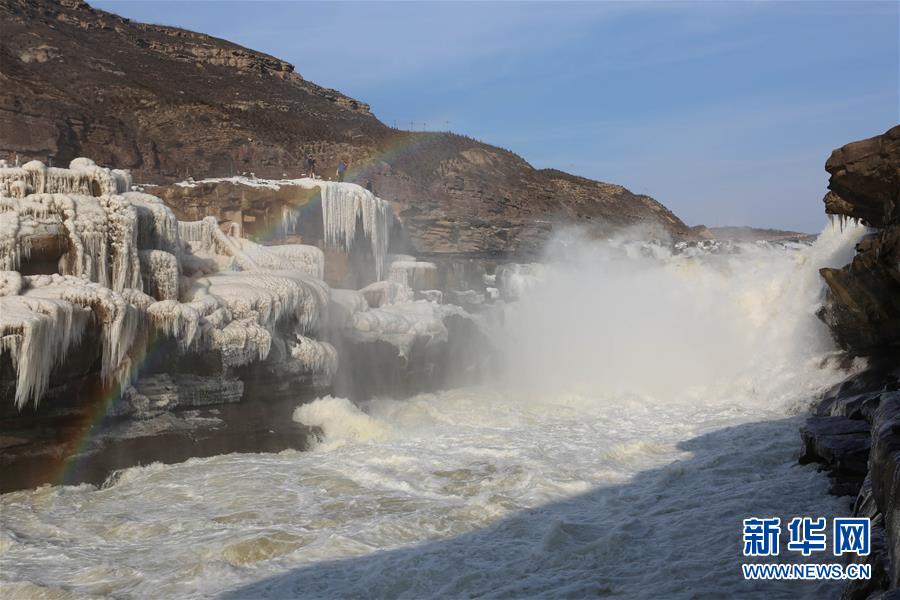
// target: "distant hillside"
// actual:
[[169, 103], [751, 234]]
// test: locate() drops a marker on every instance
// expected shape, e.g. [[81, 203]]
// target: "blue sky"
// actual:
[[725, 112]]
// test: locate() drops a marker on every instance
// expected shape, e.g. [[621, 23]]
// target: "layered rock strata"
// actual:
[[170, 104], [863, 302], [855, 431]]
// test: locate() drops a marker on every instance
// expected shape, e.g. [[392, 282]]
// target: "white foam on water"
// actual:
[[648, 405], [344, 422]]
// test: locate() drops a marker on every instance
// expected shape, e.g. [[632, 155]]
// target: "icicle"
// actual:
[[266, 297], [417, 275], [199, 232], [314, 356], [157, 226], [178, 321], [10, 256], [37, 333], [122, 234], [342, 204], [290, 218], [118, 320], [160, 272], [121, 242], [250, 256], [83, 177], [241, 342], [86, 222]]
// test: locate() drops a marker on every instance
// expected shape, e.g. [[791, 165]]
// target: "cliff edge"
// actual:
[[863, 301]]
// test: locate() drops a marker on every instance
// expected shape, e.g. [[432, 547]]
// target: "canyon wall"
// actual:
[[170, 104], [855, 432], [863, 303]]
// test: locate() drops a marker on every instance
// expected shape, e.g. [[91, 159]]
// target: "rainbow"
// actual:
[[68, 469], [401, 146], [100, 400]]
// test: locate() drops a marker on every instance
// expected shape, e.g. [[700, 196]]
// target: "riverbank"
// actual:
[[854, 433]]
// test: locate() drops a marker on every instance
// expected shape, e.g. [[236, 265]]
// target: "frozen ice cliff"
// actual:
[[106, 296]]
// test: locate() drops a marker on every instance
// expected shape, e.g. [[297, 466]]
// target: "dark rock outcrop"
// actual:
[[40, 449], [170, 104], [855, 435], [842, 444], [885, 473], [863, 302], [861, 417]]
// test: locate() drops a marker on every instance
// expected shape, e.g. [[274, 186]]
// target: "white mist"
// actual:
[[645, 410]]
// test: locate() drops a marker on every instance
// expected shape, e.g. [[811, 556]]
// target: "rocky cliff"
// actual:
[[169, 104], [855, 432], [863, 303]]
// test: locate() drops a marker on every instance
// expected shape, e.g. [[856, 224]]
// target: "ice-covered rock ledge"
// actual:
[[313, 211], [341, 217], [121, 324]]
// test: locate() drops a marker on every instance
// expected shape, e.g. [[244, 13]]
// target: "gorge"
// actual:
[[451, 375]]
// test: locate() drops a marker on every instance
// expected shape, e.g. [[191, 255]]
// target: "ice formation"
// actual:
[[102, 234], [198, 234], [39, 326], [205, 289], [343, 206], [382, 293], [10, 248], [82, 177], [10, 283], [401, 324], [385, 311], [253, 256], [157, 226], [314, 356], [418, 275], [845, 221], [130, 274], [205, 237], [268, 298], [160, 271], [37, 333]]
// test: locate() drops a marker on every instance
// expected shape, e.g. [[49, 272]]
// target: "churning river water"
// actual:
[[649, 402]]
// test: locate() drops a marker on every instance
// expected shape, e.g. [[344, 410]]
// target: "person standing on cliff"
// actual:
[[341, 170], [310, 166]]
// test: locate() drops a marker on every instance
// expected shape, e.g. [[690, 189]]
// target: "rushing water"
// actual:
[[648, 405]]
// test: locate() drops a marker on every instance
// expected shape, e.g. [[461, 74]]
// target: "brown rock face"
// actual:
[[865, 180], [169, 103], [863, 303]]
